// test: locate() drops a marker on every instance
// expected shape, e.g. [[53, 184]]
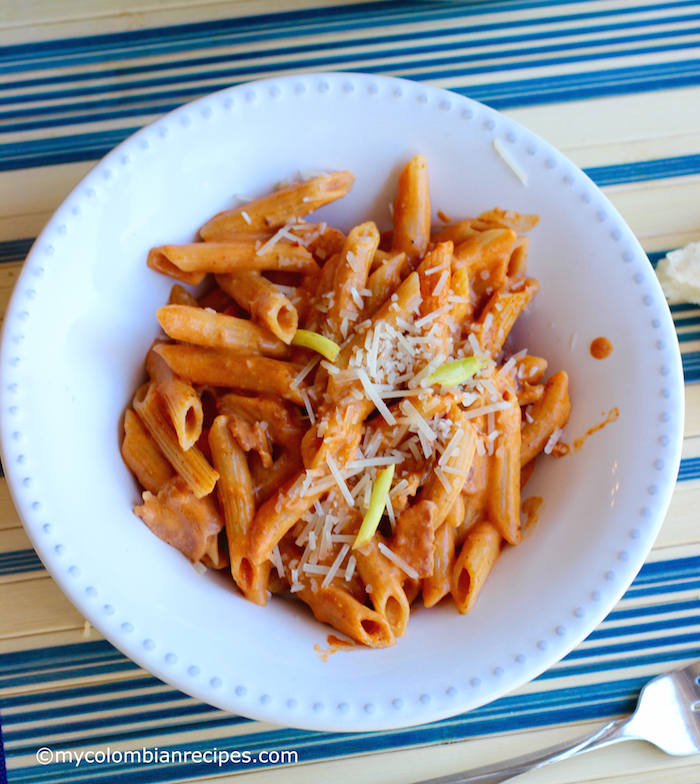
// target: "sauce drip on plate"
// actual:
[[335, 644], [559, 450], [601, 348]]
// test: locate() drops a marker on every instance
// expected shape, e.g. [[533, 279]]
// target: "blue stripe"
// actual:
[[273, 27], [690, 469], [15, 250], [19, 561], [644, 170], [117, 78], [512, 713], [110, 704], [664, 570], [691, 367], [564, 668], [282, 54], [131, 105], [574, 87], [688, 321], [83, 692]]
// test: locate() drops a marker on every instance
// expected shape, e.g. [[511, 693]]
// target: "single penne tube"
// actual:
[[142, 455], [412, 211], [278, 515], [237, 501], [203, 327], [159, 262], [181, 400], [190, 464], [386, 579], [458, 464], [350, 279], [222, 368], [511, 220], [182, 519], [279, 207], [264, 301], [438, 584], [336, 605], [486, 249], [180, 296], [503, 490], [548, 414], [500, 314], [239, 255], [383, 282], [480, 551], [434, 275]]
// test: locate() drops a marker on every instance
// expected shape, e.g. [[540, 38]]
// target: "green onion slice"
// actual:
[[455, 373], [307, 339], [377, 503]]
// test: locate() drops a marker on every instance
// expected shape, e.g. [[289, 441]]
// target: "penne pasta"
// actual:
[[412, 211], [237, 501], [264, 301], [480, 551], [352, 397], [503, 490], [222, 368], [203, 327], [241, 254], [142, 456], [349, 279], [191, 465], [182, 402], [548, 414], [279, 207], [438, 584]]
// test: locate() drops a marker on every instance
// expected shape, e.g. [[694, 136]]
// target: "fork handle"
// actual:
[[494, 774]]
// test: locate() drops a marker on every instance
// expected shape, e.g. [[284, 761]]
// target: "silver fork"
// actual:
[[667, 715]]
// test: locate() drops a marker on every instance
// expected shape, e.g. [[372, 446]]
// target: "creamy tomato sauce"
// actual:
[[601, 348]]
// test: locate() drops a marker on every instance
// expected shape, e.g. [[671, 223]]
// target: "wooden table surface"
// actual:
[[614, 84]]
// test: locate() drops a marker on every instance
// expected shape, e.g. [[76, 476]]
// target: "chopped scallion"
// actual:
[[307, 339], [455, 373], [377, 503]]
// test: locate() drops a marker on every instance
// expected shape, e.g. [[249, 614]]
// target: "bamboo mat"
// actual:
[[614, 84]]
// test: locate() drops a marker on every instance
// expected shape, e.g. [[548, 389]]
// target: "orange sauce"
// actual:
[[601, 348], [531, 508], [559, 450], [335, 644], [612, 416]]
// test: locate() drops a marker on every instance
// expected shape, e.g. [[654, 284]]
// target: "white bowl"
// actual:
[[83, 315]]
